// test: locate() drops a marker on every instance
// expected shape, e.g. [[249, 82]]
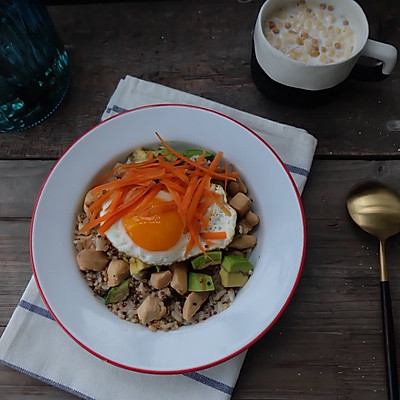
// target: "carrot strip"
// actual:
[[128, 182], [189, 161], [218, 199], [213, 235], [115, 201], [95, 207], [189, 193], [176, 195], [196, 199], [148, 200], [205, 203], [189, 246], [92, 223], [202, 219], [156, 209], [215, 162], [207, 218], [125, 166], [194, 233], [171, 185], [133, 187], [178, 171], [122, 210]]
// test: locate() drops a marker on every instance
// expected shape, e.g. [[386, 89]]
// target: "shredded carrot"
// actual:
[[189, 246], [156, 209], [131, 188], [198, 193], [207, 218], [194, 163], [189, 193], [97, 204], [213, 235], [218, 199]]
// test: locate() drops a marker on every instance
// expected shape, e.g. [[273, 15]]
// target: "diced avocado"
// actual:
[[196, 152], [118, 293], [203, 261], [236, 263], [136, 266], [137, 156], [198, 282], [165, 152], [232, 279]]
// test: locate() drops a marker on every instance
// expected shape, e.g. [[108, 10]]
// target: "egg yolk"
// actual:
[[154, 231]]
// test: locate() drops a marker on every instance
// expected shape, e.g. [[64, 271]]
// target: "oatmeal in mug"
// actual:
[[310, 32]]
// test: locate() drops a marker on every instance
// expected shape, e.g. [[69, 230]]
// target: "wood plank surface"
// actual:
[[328, 343], [204, 47]]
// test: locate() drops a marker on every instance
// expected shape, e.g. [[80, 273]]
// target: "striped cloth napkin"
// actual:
[[33, 342]]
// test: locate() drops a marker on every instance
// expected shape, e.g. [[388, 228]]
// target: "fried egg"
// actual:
[[160, 239]]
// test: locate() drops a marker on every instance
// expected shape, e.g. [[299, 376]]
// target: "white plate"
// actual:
[[278, 256]]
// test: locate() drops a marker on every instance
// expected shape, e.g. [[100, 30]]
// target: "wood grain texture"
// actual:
[[20, 182], [327, 344], [203, 47]]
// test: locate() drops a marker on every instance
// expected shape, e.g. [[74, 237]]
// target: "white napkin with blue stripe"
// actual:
[[295, 146], [34, 344]]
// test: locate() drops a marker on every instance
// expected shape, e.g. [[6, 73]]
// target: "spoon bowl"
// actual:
[[376, 209]]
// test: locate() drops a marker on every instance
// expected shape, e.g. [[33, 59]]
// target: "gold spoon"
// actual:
[[376, 209]]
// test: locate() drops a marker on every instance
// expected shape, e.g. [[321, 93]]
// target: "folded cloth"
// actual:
[[33, 342], [295, 146]]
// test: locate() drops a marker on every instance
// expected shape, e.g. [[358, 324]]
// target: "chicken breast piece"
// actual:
[[151, 309]]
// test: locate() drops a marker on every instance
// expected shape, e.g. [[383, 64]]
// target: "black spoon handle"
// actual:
[[389, 342]]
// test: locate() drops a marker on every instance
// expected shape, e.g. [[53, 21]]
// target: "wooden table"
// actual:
[[328, 343]]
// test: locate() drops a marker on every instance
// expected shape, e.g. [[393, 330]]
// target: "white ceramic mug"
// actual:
[[284, 70]]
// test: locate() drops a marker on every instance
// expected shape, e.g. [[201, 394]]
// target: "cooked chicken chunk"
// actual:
[[151, 309], [179, 277], [117, 271], [237, 186], [243, 242], [192, 303], [252, 218], [248, 222], [241, 203], [91, 260], [160, 280]]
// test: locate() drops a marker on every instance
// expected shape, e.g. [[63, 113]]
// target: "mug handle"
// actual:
[[381, 51], [376, 61]]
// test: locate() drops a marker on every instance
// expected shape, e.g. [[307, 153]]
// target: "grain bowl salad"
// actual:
[[164, 237]]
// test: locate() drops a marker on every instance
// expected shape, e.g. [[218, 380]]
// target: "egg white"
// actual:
[[219, 221]]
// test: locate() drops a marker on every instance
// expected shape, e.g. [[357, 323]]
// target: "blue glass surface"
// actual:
[[34, 67]]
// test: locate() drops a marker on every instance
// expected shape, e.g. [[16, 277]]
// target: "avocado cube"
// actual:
[[232, 279], [118, 293], [203, 261], [136, 266], [198, 282], [236, 263], [137, 156], [166, 153], [196, 152]]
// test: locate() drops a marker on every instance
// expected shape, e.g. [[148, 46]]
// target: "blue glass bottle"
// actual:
[[34, 66]]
